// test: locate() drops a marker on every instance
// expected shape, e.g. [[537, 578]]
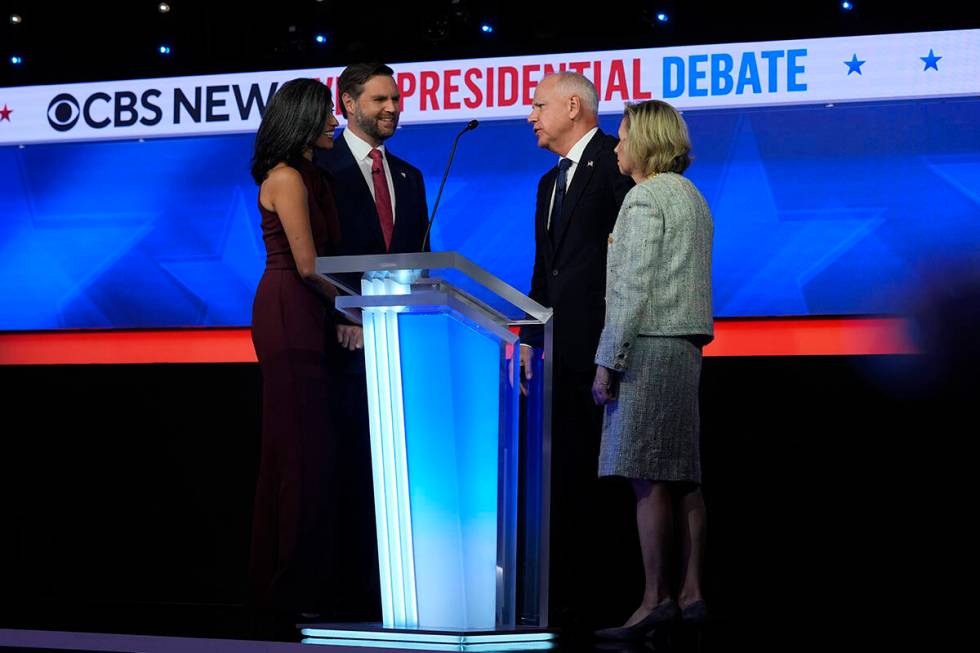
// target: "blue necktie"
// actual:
[[556, 204]]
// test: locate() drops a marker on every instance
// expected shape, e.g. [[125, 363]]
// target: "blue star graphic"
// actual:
[[854, 65], [224, 278], [769, 258], [931, 61], [53, 247]]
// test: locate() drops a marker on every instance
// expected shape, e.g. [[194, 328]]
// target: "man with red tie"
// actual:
[[382, 209], [381, 198]]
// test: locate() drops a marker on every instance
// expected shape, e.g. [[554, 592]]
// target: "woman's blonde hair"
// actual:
[[658, 140]]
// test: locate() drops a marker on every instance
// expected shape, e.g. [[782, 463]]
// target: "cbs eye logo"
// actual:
[[63, 112]]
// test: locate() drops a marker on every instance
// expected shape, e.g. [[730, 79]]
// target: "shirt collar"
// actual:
[[359, 147], [575, 154]]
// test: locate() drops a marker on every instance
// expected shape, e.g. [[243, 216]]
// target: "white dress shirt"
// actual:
[[574, 155], [361, 150]]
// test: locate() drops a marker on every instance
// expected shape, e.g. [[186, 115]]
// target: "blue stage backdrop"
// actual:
[[818, 210], [841, 173]]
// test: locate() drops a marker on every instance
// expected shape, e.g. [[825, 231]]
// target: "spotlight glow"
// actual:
[[164, 49], [487, 29], [16, 60], [663, 18]]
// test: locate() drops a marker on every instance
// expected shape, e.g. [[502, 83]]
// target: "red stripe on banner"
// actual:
[[733, 337], [120, 347], [850, 336]]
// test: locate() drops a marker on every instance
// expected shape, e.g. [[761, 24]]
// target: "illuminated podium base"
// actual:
[[377, 636]]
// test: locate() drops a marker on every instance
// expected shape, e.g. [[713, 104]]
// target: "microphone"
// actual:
[[470, 126]]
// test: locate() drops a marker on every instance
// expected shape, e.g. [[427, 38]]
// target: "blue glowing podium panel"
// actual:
[[445, 445]]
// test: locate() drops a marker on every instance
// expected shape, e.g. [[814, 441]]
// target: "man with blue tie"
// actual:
[[577, 204], [382, 209]]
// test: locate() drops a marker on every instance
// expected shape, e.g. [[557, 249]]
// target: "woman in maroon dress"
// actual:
[[293, 333]]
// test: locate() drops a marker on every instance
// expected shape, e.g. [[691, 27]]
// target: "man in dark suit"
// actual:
[[577, 204], [382, 209], [360, 162]]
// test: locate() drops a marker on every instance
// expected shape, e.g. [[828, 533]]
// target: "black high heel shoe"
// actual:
[[664, 613], [695, 614]]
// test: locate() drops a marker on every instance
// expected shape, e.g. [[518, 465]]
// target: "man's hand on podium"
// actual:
[[526, 352]]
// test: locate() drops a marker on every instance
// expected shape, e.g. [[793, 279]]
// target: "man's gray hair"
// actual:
[[569, 83]]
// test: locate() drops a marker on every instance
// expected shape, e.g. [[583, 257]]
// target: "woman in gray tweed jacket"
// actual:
[[658, 316]]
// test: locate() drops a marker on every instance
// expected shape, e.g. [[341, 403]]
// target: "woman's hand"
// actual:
[[350, 336], [604, 386]]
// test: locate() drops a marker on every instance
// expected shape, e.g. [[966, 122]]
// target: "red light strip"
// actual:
[[121, 347], [733, 337], [811, 337]]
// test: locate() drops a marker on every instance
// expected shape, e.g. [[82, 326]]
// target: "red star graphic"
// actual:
[[5, 113]]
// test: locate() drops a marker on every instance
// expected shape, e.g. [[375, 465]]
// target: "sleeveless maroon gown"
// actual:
[[293, 334]]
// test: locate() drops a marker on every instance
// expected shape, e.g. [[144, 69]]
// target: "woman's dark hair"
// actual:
[[292, 121]]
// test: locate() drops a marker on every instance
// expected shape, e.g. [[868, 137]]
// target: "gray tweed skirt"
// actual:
[[653, 429]]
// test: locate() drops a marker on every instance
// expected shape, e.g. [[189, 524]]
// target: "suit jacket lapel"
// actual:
[[403, 196], [364, 206], [583, 174], [544, 207]]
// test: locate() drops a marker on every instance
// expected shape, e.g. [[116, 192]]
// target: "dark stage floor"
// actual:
[[45, 641]]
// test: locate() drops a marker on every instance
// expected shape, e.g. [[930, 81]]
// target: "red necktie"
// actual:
[[382, 198]]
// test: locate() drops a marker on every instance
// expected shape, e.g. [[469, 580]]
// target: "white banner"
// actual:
[[846, 69]]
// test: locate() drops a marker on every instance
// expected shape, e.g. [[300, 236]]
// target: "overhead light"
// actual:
[[15, 19], [163, 8]]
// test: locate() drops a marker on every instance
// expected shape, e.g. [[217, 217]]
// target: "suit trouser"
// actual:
[[354, 550], [575, 435]]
